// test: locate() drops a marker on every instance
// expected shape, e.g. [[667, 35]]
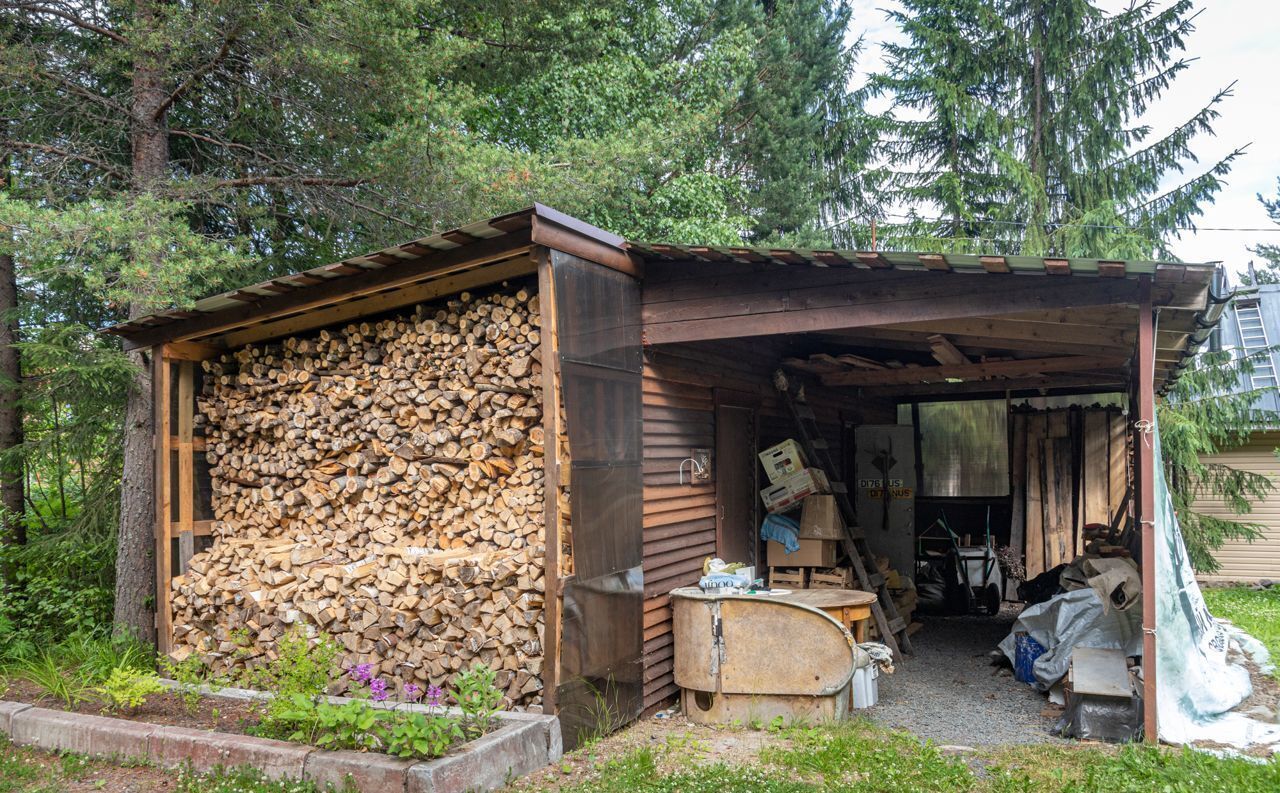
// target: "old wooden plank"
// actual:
[[853, 312], [972, 371]]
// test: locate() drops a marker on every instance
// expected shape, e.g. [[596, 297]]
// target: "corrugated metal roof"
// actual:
[[347, 268], [957, 262]]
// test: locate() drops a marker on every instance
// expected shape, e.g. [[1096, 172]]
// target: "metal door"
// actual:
[[884, 491]]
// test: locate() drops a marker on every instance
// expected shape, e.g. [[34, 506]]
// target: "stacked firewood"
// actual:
[[382, 483]]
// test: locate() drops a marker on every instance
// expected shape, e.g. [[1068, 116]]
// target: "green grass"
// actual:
[[31, 771], [1256, 611], [861, 758]]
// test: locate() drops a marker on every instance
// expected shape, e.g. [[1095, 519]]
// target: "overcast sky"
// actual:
[[1235, 40]]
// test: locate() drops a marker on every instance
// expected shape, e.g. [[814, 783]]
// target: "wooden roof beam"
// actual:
[[974, 371], [729, 318], [944, 352]]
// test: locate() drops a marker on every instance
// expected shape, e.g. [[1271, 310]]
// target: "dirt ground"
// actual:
[[222, 715], [675, 740]]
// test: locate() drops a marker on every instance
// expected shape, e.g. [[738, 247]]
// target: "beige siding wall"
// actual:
[[1245, 561]]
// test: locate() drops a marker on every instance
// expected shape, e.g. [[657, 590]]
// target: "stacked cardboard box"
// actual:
[[819, 533]]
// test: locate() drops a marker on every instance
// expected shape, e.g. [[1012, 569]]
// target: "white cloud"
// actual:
[[1234, 40]]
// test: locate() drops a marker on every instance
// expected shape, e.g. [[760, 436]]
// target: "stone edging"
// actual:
[[522, 745]]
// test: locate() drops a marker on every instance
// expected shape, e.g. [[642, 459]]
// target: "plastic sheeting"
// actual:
[[1196, 683], [1070, 620]]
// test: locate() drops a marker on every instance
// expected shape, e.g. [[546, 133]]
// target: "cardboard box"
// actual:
[[791, 490], [782, 460], [812, 553], [820, 519]]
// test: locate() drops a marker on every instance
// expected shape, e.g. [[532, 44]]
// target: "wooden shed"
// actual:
[[330, 451]]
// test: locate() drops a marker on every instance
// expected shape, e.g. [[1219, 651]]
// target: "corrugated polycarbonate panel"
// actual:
[[964, 448], [601, 649]]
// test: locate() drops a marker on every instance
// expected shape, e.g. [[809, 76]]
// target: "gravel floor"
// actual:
[[947, 691]]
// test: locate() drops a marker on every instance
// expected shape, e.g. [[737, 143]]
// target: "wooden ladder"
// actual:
[[893, 629]]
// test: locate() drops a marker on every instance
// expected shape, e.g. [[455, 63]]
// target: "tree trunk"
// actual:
[[11, 476], [135, 557]]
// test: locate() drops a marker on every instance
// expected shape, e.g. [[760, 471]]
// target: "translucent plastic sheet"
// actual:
[[1197, 684]]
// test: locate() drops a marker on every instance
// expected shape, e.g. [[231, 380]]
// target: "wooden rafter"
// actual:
[[974, 371], [944, 352]]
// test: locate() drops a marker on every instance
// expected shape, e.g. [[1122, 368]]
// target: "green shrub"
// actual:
[[303, 667], [419, 735], [478, 698], [191, 675], [127, 688]]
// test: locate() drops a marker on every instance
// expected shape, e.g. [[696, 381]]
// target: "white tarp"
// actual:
[[1196, 683]]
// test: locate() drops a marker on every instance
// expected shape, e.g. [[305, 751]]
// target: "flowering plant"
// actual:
[[361, 726]]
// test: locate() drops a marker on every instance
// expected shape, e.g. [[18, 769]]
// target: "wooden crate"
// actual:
[[834, 578], [788, 577]]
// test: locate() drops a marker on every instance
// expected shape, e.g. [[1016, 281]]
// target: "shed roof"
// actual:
[[374, 276]]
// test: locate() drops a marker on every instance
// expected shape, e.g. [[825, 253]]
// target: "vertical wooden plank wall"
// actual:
[[680, 520], [1069, 468]]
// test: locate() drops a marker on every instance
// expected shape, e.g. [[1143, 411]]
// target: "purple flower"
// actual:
[[361, 673], [411, 691], [377, 689], [435, 695]]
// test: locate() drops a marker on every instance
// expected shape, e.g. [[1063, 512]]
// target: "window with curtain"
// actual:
[[964, 448]]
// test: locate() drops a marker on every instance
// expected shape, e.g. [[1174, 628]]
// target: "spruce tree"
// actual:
[[1087, 167], [1052, 93], [943, 130]]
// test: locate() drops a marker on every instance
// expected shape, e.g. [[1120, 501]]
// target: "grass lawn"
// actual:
[[25, 770], [1257, 611], [861, 758]]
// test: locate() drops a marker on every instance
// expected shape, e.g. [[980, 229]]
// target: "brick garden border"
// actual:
[[525, 743]]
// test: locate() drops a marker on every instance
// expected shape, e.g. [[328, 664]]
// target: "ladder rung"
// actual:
[[897, 625], [819, 443], [875, 580], [838, 487], [805, 412]]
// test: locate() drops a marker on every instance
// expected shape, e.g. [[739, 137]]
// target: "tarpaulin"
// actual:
[[1073, 619], [1197, 684]]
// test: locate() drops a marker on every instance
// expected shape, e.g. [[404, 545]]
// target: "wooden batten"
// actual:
[[160, 396], [549, 354], [186, 463]]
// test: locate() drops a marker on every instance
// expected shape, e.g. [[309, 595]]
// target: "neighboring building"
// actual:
[[1252, 324]]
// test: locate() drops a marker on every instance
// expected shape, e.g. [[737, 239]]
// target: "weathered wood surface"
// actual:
[[382, 483]]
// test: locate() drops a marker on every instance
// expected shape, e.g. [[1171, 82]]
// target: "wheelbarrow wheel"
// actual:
[[991, 600]]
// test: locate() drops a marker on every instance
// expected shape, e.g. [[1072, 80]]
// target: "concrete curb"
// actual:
[[487, 763], [520, 746]]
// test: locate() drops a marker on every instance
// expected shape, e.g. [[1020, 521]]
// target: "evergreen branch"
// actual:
[[67, 16], [196, 76], [64, 153], [287, 181]]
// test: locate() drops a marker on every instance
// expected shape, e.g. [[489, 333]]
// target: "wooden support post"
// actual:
[[549, 354], [163, 560], [1144, 442], [186, 463]]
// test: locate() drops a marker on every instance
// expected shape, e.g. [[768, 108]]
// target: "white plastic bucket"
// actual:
[[866, 686]]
